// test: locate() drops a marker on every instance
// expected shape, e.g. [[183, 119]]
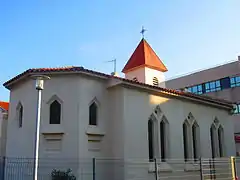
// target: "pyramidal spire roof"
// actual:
[[144, 56]]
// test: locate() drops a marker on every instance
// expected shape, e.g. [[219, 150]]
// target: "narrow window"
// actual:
[[93, 114], [195, 141], [55, 112], [163, 140], [213, 140], [155, 81], [220, 141], [150, 140], [20, 115], [185, 141]]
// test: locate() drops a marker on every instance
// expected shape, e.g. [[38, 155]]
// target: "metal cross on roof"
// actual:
[[143, 31]]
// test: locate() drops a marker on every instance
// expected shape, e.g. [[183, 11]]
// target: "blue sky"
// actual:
[[186, 34]]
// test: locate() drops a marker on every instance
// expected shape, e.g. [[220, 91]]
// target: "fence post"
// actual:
[[233, 167], [201, 170], [210, 167], [156, 169], [94, 168]]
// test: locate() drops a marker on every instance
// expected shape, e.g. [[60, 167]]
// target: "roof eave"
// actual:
[[222, 105], [13, 81]]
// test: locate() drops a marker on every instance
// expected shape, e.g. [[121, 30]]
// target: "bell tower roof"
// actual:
[[144, 56]]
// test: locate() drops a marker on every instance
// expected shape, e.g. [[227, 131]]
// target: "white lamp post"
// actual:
[[39, 87]]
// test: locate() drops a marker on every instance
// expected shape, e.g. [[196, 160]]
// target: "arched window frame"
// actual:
[[20, 113], [191, 139], [217, 139], [91, 121], [160, 141], [50, 102], [164, 141]]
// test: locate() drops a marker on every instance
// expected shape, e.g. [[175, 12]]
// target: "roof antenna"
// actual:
[[143, 31], [114, 73]]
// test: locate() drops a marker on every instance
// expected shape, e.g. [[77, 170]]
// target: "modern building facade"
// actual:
[[221, 82]]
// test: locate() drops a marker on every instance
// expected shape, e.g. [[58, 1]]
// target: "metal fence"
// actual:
[[118, 169]]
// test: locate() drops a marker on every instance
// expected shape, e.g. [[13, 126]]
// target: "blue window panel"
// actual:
[[235, 81], [238, 79], [189, 89], [218, 83], [194, 89], [213, 86], [225, 83], [207, 86], [199, 87]]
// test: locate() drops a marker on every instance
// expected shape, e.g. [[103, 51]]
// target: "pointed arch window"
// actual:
[[186, 146], [93, 113], [155, 81], [221, 141], [55, 112], [213, 141], [151, 140], [20, 115], [195, 140], [217, 139], [164, 138], [191, 138], [158, 135]]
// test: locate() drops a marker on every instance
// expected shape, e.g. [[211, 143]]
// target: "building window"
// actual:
[[213, 86], [191, 138], [20, 115], [186, 140], [195, 141], [55, 112], [163, 138], [196, 89], [213, 140], [237, 109], [158, 135], [221, 141], [217, 139], [93, 114], [150, 140], [135, 79], [235, 81], [155, 81]]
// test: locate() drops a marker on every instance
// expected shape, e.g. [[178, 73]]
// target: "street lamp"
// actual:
[[39, 87]]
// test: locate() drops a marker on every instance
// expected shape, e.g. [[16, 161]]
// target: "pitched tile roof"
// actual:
[[4, 105], [144, 55], [74, 69]]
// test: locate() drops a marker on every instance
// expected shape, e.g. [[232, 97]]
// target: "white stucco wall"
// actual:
[[122, 123], [176, 111], [146, 75]]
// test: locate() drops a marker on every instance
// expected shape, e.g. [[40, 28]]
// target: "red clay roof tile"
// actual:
[[83, 70]]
